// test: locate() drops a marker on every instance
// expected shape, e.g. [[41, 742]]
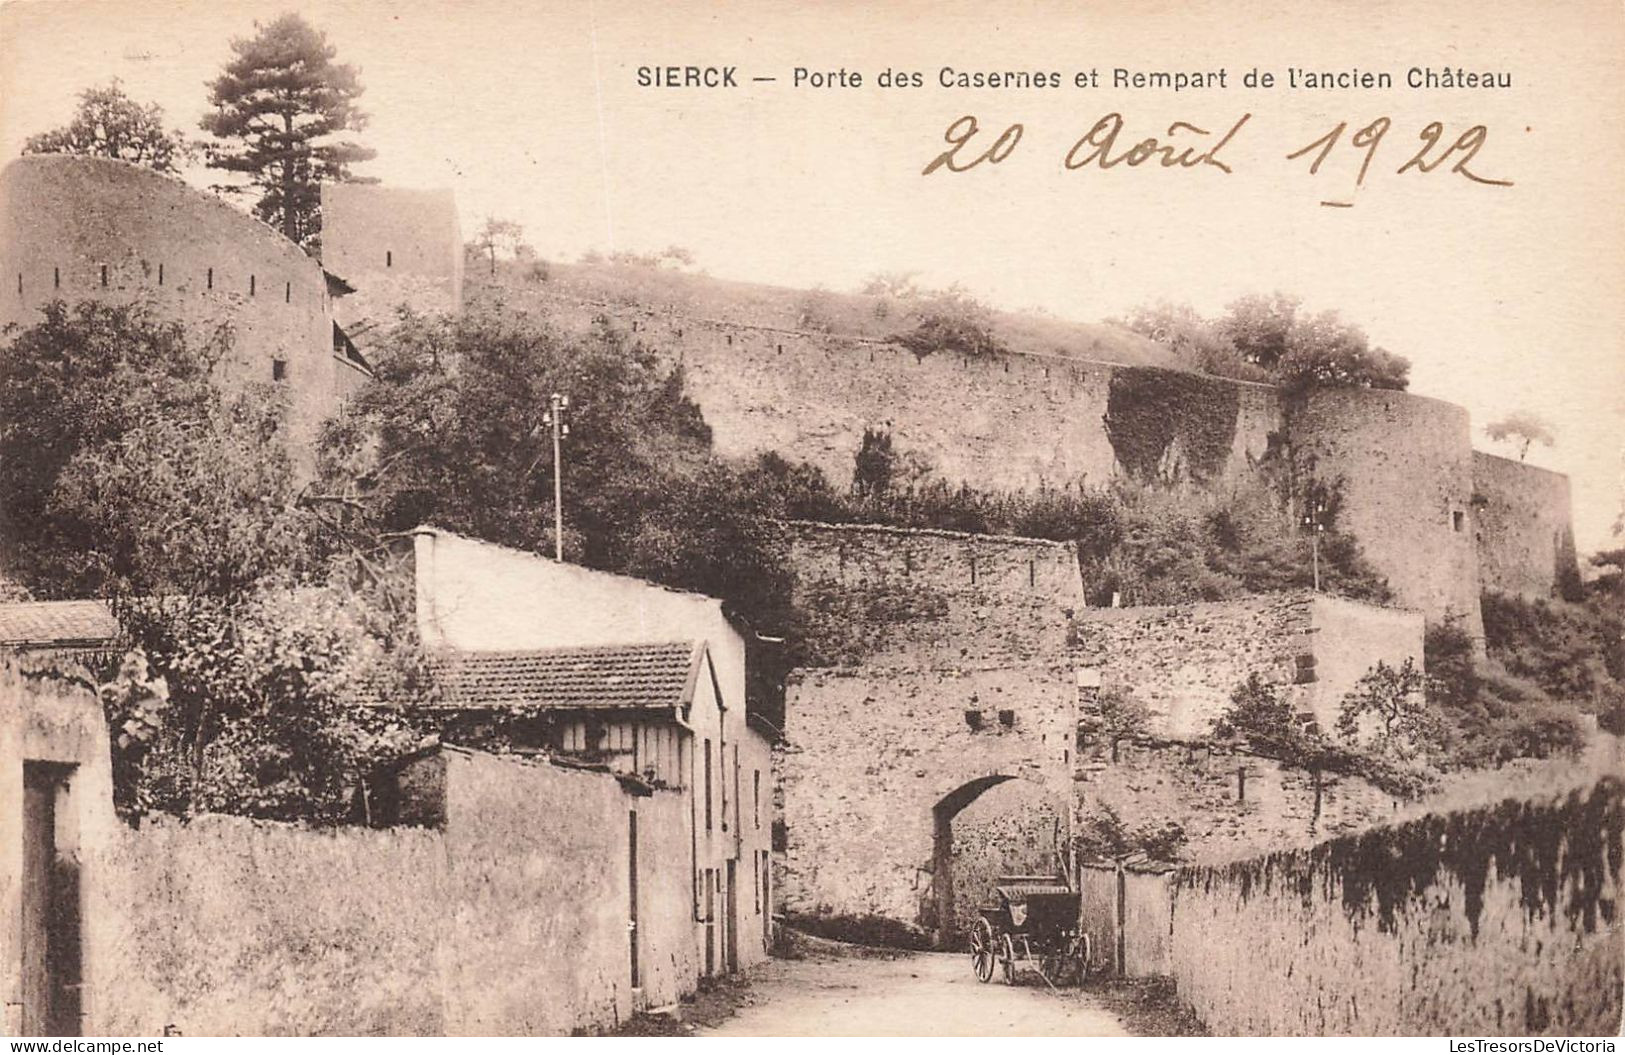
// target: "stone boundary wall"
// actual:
[[510, 920], [1497, 921], [1523, 528], [1024, 421], [1230, 803]]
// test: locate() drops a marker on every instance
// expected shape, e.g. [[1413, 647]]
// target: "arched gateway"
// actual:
[[905, 790], [985, 828]]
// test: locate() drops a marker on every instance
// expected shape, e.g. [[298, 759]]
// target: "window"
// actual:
[[756, 788], [251, 285], [160, 274], [287, 293], [279, 369], [1007, 719], [389, 258], [104, 278], [56, 278], [708, 784], [1458, 520], [211, 278]]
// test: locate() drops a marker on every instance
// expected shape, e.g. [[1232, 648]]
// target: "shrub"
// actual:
[[1395, 697], [955, 321], [1569, 650], [1491, 716]]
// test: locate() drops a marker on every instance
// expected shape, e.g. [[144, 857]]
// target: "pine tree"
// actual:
[[278, 107]]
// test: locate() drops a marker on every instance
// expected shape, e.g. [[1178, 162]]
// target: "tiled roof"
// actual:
[[608, 677], [56, 623]]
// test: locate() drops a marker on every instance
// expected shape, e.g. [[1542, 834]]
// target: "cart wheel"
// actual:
[[1007, 954], [981, 950]]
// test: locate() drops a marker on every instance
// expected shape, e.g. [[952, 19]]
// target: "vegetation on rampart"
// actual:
[[1559, 854], [1151, 443]]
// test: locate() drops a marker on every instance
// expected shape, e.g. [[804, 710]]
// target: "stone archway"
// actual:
[[1017, 825]]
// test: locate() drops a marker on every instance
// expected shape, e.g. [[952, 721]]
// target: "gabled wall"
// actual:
[[478, 596], [396, 246]]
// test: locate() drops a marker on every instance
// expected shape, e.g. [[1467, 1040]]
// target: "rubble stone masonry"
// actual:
[[1497, 921]]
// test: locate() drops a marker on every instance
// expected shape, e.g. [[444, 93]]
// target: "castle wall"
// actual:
[[1405, 469], [872, 751], [998, 422], [895, 595], [82, 228], [942, 671], [1183, 661], [1228, 802], [396, 246], [1522, 527]]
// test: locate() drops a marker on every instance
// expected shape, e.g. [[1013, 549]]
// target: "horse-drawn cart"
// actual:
[[1036, 921]]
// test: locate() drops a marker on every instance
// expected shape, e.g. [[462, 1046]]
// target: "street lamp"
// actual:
[[1314, 518], [557, 405]]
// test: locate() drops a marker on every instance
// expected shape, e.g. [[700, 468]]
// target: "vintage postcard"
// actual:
[[812, 519]]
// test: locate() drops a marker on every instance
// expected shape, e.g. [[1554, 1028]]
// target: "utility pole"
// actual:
[[1314, 518], [554, 419]]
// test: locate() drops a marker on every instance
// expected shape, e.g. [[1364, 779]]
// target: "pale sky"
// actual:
[[1503, 298]]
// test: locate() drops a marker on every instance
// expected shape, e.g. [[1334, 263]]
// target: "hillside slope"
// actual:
[[859, 316]]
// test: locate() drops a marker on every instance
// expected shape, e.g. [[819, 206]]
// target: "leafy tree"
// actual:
[[1269, 338], [450, 433], [109, 124], [1118, 715], [1396, 698], [135, 478], [1490, 716], [270, 698], [72, 388], [1259, 713], [876, 463], [279, 106], [1194, 340], [1104, 836], [898, 285], [506, 236], [1260, 327], [134, 702], [1521, 429], [128, 471]]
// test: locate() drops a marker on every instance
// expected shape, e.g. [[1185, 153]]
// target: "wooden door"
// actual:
[[50, 910]]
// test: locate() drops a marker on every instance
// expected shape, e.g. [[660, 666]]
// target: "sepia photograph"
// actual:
[[606, 518]]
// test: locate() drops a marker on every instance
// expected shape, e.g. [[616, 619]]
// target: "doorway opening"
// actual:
[[51, 944]]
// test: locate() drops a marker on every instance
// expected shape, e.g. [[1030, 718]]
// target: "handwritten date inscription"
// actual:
[[1188, 146]]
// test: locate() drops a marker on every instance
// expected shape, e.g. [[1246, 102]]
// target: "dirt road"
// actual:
[[925, 994]]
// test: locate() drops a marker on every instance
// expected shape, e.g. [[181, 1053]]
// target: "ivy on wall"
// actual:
[[1152, 411], [1562, 855], [841, 624]]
